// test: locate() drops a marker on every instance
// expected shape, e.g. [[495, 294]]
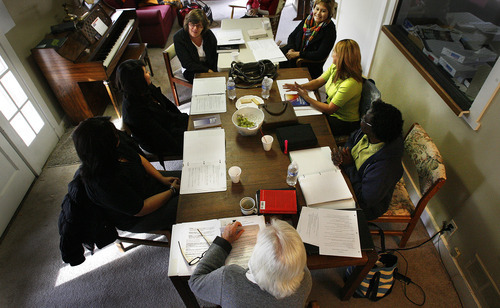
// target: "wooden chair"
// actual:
[[273, 19], [428, 163], [369, 94], [138, 241], [174, 71]]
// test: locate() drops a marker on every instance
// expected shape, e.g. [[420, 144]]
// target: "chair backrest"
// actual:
[[173, 64], [275, 19], [369, 94], [281, 5], [426, 157], [171, 51]]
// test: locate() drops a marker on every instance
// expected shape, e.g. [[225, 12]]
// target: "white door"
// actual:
[[26, 138], [15, 180]]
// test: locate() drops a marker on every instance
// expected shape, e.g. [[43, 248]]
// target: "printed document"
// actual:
[[204, 161], [209, 95], [334, 231], [300, 111], [190, 237]]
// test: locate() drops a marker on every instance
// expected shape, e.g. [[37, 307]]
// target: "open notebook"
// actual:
[[321, 182]]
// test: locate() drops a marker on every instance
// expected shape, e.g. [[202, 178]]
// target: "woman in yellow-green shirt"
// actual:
[[343, 83]]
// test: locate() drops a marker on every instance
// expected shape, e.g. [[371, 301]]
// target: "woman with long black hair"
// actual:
[[154, 121], [135, 196]]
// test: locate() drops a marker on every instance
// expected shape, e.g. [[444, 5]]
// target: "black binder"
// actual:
[[299, 137]]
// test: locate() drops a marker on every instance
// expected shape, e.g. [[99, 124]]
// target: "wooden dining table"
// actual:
[[264, 170]]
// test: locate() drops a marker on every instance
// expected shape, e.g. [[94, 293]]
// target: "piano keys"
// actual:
[[81, 71]]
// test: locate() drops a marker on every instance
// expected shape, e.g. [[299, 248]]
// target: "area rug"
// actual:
[[64, 153]]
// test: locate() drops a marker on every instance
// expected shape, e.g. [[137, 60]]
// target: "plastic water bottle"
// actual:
[[292, 174], [231, 88], [267, 84]]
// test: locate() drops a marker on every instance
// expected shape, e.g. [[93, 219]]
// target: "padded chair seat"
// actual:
[[401, 204], [177, 69]]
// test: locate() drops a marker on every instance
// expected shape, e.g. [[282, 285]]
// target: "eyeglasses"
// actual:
[[195, 25], [194, 260], [364, 121]]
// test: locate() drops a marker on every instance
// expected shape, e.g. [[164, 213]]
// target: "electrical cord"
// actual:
[[407, 281], [445, 228]]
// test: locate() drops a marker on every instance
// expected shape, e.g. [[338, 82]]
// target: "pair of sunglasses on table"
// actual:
[[194, 260]]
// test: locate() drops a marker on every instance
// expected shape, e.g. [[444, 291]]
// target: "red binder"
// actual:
[[281, 201]]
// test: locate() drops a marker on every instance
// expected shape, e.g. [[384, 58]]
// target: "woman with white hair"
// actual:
[[277, 275]]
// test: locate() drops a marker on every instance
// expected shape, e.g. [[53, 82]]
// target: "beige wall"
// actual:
[[471, 196], [33, 20]]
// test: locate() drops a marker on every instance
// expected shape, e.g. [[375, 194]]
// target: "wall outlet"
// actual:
[[453, 228]]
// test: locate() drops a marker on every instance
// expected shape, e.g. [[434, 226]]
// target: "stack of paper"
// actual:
[[204, 161], [186, 236], [321, 182], [229, 37], [209, 95], [334, 231], [266, 49], [256, 33]]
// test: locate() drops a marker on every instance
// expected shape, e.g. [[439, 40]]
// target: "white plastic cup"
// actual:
[[235, 55], [266, 24], [267, 142], [234, 173], [247, 206]]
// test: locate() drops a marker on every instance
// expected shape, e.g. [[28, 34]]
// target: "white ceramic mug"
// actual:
[[247, 206]]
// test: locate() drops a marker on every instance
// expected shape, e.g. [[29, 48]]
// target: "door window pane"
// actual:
[[32, 116], [22, 127], [3, 66], [14, 88], [7, 105]]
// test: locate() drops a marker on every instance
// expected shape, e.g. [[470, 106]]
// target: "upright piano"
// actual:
[[80, 68]]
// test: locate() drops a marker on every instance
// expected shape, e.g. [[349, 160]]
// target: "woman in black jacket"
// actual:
[[133, 194], [196, 45], [312, 39], [155, 122]]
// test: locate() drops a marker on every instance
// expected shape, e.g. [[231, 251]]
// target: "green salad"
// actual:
[[244, 122]]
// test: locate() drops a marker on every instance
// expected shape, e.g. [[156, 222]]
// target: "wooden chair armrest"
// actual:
[[232, 6]]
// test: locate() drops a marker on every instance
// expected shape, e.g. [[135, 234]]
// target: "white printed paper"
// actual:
[[334, 231]]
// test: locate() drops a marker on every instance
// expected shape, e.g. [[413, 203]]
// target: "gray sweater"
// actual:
[[228, 286]]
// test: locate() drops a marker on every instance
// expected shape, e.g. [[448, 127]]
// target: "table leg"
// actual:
[[357, 276], [182, 287]]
